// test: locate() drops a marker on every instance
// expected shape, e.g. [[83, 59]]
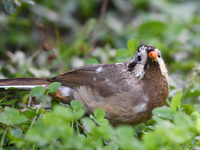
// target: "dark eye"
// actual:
[[139, 58], [159, 55]]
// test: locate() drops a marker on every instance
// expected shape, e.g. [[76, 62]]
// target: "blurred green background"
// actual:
[[61, 32], [45, 38]]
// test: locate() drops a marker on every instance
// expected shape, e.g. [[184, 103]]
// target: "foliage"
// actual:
[[64, 127], [46, 38]]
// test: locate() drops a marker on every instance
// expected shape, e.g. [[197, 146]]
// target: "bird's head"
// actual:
[[145, 57]]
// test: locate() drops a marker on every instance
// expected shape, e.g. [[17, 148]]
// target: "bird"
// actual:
[[128, 92]]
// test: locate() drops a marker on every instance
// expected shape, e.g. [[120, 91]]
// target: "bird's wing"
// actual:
[[103, 78]]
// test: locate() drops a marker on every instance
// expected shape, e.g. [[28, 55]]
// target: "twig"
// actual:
[[96, 33], [46, 44], [29, 100]]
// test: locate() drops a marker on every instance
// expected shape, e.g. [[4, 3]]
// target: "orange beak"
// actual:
[[153, 55]]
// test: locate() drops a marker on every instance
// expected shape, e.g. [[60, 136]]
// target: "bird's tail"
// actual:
[[23, 83], [30, 83]]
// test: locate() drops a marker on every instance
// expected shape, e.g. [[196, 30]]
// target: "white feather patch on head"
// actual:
[[142, 48], [163, 67], [138, 70], [161, 64]]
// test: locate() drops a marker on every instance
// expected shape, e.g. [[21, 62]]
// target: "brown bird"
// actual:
[[128, 92]]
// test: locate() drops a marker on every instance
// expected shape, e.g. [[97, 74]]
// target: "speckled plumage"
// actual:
[[128, 92]]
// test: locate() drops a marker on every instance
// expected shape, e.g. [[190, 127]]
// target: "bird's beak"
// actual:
[[152, 55]]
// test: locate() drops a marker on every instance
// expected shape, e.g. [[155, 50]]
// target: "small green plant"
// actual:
[[67, 127]]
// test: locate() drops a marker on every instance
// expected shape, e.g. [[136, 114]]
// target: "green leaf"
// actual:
[[132, 45], [163, 112], [29, 2], [197, 124], [3, 118], [15, 132], [157, 119], [5, 98], [122, 55], [92, 117], [79, 113], [91, 61], [12, 116], [123, 52], [151, 29], [192, 93], [37, 133], [63, 112], [127, 139], [10, 6], [99, 117], [181, 119], [112, 146], [76, 104], [78, 110], [152, 140], [125, 132], [188, 108], [9, 102], [99, 113], [54, 103], [11, 88], [53, 87], [183, 65], [102, 121], [30, 114], [176, 102], [38, 91], [88, 122], [1, 131], [1, 108]]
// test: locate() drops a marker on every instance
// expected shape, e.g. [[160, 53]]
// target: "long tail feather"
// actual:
[[23, 83], [29, 83]]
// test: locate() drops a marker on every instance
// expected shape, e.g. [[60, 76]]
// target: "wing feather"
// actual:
[[98, 77]]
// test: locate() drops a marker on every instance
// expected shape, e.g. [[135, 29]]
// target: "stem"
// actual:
[[100, 22], [77, 127], [18, 99], [29, 100], [3, 138], [72, 123], [44, 104], [34, 117]]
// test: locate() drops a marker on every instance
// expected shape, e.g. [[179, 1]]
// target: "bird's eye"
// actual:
[[159, 55], [139, 58]]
